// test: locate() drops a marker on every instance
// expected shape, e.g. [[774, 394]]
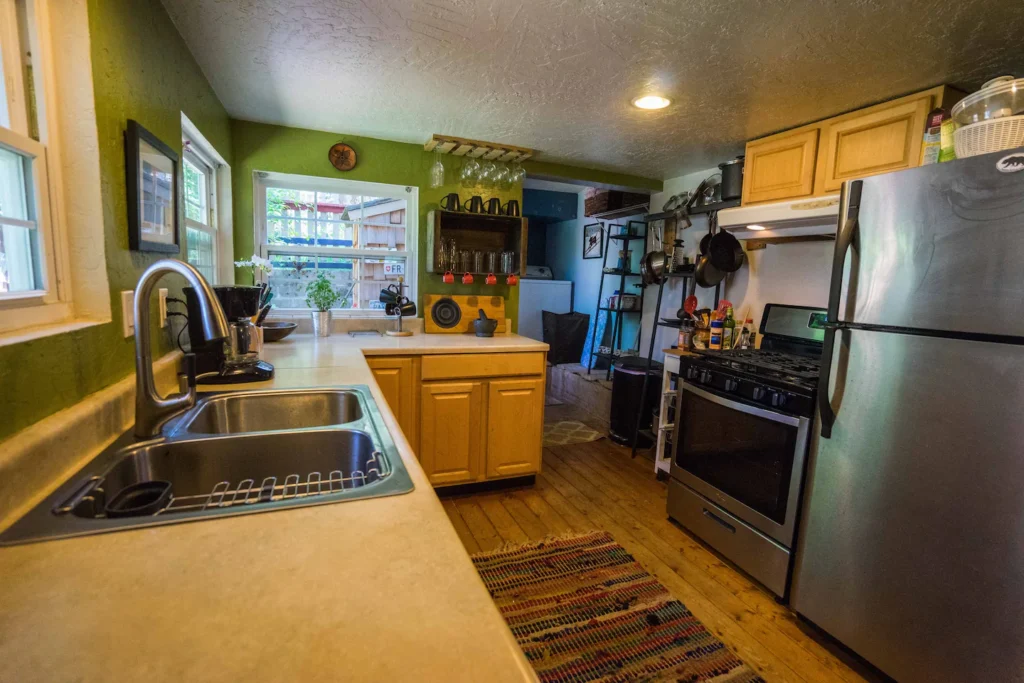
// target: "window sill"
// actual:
[[41, 331]]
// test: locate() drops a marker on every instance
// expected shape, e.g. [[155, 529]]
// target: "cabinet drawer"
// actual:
[[469, 365]]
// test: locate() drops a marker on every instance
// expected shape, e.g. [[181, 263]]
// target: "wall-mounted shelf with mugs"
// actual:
[[479, 244]]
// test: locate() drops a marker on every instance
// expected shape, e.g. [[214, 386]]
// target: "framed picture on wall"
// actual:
[[593, 245], [151, 170]]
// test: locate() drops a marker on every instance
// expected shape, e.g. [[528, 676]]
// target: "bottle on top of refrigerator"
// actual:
[[728, 329], [932, 137]]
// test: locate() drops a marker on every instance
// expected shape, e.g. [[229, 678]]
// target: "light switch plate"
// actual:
[[163, 306], [128, 312]]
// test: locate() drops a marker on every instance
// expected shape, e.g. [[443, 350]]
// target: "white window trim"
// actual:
[[220, 205], [65, 110], [261, 179], [196, 158]]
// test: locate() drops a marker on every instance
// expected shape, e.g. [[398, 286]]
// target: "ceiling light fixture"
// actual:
[[651, 102], [756, 227]]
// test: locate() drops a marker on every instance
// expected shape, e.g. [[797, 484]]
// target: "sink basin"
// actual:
[[231, 473], [263, 411]]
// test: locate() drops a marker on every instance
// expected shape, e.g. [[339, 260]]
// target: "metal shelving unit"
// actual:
[[688, 273], [618, 312]]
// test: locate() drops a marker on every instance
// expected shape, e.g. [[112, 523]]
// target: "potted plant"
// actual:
[[321, 296]]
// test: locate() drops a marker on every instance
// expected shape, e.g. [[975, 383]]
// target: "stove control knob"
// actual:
[[731, 385], [778, 399], [705, 377], [759, 393], [692, 373]]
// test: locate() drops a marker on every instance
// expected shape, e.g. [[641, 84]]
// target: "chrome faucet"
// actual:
[[151, 410]]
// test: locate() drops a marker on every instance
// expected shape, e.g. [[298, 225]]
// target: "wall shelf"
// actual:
[[476, 231], [695, 211], [621, 213]]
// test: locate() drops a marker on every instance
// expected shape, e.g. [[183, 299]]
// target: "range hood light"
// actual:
[[756, 227]]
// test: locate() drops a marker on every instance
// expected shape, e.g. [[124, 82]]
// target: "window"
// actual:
[[361, 235], [200, 211], [27, 253]]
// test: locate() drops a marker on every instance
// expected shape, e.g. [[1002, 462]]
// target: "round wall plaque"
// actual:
[[342, 157]]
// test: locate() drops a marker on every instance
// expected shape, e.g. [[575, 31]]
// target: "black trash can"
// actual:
[[627, 383], [565, 333]]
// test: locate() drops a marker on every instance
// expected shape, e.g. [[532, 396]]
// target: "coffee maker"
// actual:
[[235, 359]]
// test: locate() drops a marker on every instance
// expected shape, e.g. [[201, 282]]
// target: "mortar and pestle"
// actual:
[[485, 326]]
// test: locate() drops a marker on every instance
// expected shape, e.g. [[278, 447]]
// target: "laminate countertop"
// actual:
[[364, 590]]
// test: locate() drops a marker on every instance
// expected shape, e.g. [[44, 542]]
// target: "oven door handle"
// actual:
[[790, 420]]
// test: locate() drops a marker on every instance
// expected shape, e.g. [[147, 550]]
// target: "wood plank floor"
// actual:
[[598, 486]]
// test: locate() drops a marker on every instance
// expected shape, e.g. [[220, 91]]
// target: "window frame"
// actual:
[[52, 303], [264, 179], [195, 155]]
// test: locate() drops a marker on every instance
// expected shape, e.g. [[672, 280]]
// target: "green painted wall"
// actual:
[[142, 70], [264, 147]]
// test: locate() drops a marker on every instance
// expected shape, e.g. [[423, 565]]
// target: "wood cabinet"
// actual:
[[515, 426], [884, 140], [452, 431], [469, 417], [398, 379], [815, 159], [780, 167]]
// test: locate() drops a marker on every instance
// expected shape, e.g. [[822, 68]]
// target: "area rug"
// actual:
[[569, 432], [583, 609]]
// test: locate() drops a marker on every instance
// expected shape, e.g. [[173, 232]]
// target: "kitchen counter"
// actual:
[[365, 590]]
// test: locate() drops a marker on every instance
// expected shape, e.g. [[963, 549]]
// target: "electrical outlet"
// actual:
[[128, 312], [163, 306]]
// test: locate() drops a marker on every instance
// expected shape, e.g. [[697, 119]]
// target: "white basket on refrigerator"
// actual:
[[993, 135]]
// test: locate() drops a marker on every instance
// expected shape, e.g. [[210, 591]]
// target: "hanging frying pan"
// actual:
[[724, 250]]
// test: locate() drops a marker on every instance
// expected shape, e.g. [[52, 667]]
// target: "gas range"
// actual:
[[743, 425]]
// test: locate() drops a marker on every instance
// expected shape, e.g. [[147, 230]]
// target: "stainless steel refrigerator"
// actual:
[[911, 543]]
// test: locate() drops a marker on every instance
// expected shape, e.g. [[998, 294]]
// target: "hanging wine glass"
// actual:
[[518, 173], [437, 170], [488, 174], [470, 173], [503, 178]]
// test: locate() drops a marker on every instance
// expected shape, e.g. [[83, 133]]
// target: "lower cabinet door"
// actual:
[[515, 426], [451, 431], [397, 380]]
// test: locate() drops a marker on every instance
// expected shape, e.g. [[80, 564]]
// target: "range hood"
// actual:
[[799, 218]]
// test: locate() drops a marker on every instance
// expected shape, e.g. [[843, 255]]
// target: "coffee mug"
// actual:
[[448, 278], [512, 208], [511, 280], [493, 206], [388, 296], [450, 202], [467, 279], [491, 279], [474, 204]]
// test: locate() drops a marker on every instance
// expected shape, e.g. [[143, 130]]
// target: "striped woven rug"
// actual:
[[584, 610]]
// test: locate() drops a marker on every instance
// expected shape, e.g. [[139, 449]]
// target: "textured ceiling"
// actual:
[[558, 75]]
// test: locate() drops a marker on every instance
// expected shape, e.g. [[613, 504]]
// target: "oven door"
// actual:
[[748, 459]]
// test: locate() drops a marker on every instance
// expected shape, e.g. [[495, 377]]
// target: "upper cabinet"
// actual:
[[780, 167], [815, 159], [888, 139]]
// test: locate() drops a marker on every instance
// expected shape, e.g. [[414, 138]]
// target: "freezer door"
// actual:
[[911, 545], [939, 247]]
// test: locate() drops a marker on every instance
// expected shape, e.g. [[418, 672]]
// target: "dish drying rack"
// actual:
[[246, 492]]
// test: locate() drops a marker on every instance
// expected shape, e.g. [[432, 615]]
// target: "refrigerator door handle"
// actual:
[[850, 209]]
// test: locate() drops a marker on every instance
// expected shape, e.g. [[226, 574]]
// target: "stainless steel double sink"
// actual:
[[232, 453]]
